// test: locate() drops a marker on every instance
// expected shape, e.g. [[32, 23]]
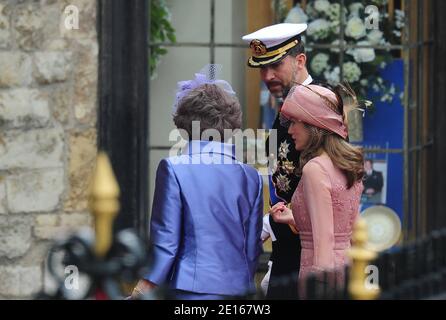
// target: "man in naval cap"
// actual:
[[279, 53]]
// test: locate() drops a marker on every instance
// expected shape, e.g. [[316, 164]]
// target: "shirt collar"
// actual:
[[307, 81], [207, 147]]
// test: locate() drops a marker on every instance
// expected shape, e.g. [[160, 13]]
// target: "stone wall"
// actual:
[[48, 103]]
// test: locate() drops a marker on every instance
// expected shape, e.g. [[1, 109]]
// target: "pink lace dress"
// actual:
[[324, 211]]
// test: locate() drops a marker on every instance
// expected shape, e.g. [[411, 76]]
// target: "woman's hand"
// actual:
[[143, 287], [282, 214]]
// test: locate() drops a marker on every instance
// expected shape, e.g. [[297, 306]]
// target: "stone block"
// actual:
[[3, 209], [75, 221], [33, 149], [19, 281], [15, 69], [82, 159], [50, 67], [23, 108], [15, 236], [85, 82], [28, 24], [5, 31], [35, 191], [61, 103], [85, 13]]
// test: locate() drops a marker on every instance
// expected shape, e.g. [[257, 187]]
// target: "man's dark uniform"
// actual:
[[286, 249], [374, 181], [269, 45]]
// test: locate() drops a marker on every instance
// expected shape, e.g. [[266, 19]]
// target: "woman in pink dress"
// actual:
[[326, 202]]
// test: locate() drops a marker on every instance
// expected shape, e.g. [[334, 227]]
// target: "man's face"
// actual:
[[368, 166], [279, 76]]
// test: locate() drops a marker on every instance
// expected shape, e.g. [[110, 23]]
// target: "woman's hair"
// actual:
[[348, 158], [212, 106]]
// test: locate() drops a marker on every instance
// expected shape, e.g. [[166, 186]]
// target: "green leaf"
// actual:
[[161, 30]]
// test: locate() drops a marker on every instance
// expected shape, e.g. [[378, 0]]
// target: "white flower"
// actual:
[[333, 77], [352, 72], [399, 13], [362, 54], [323, 19], [335, 45], [401, 95], [335, 26], [355, 28], [399, 18], [354, 9], [386, 98], [296, 15], [310, 11], [318, 29], [392, 89], [334, 12], [375, 87], [321, 5], [375, 36], [319, 63]]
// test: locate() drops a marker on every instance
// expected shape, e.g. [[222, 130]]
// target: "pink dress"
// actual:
[[324, 211]]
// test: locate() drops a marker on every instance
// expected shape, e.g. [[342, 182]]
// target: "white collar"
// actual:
[[308, 80]]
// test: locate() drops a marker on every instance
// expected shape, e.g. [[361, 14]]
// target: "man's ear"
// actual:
[[301, 61]]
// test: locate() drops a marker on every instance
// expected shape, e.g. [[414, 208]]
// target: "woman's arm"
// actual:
[[254, 229], [165, 225]]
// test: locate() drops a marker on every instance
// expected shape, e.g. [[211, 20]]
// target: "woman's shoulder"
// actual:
[[319, 163]]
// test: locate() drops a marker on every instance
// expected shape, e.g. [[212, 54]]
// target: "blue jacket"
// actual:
[[206, 221]]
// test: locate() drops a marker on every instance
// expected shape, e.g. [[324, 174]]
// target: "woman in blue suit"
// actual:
[[207, 211]]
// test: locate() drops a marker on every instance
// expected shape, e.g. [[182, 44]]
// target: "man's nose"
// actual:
[[268, 74]]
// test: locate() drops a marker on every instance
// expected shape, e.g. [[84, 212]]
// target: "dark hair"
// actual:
[[297, 49], [212, 107]]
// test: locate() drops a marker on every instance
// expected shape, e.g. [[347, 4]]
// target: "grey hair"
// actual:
[[212, 107]]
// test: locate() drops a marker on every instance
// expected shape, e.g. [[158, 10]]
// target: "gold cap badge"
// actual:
[[258, 48]]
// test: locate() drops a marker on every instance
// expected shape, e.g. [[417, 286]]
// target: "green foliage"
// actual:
[[161, 30]]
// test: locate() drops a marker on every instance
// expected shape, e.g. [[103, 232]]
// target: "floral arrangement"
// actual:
[[361, 66]]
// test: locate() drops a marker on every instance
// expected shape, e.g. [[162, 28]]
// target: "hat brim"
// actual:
[[254, 62]]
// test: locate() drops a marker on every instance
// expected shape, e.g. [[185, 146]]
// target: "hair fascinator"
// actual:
[[351, 100], [209, 74]]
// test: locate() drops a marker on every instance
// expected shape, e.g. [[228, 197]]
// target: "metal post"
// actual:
[[212, 33], [104, 203], [361, 258]]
